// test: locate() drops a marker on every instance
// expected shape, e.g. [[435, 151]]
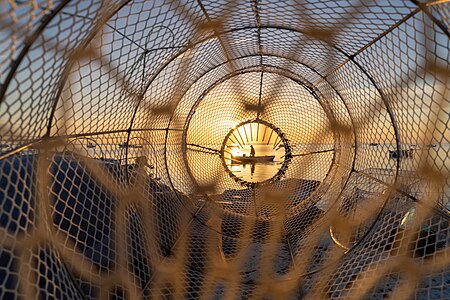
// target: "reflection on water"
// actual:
[[255, 172]]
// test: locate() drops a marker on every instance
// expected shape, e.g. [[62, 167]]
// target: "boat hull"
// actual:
[[252, 159]]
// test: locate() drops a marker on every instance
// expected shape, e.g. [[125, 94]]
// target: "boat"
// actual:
[[126, 145], [393, 154], [252, 159], [90, 145], [373, 144]]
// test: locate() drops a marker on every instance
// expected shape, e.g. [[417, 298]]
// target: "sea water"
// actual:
[[369, 158]]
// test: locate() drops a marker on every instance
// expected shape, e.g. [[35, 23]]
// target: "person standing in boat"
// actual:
[[252, 150]]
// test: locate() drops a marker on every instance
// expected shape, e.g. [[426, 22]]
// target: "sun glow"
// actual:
[[234, 150]]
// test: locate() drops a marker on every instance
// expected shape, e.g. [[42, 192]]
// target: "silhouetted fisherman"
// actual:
[[252, 150]]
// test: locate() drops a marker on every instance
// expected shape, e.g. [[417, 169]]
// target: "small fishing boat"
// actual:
[[90, 145], [126, 145], [393, 154], [252, 159]]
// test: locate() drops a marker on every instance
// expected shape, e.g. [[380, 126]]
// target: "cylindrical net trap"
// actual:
[[224, 149]]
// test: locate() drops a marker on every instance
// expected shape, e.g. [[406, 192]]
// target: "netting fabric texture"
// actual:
[[224, 149]]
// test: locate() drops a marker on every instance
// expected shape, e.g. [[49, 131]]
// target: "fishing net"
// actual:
[[254, 149]]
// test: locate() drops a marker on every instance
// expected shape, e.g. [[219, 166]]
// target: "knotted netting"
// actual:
[[255, 149]]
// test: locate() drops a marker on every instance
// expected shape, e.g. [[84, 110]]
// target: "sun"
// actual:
[[234, 150]]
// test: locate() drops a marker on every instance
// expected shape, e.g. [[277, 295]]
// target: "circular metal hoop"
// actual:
[[286, 157]]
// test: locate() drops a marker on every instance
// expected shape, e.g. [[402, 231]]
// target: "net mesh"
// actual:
[[254, 149]]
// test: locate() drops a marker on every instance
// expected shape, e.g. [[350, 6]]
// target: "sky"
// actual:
[[154, 26]]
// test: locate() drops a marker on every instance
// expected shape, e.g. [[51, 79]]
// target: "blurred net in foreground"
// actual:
[[224, 149]]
